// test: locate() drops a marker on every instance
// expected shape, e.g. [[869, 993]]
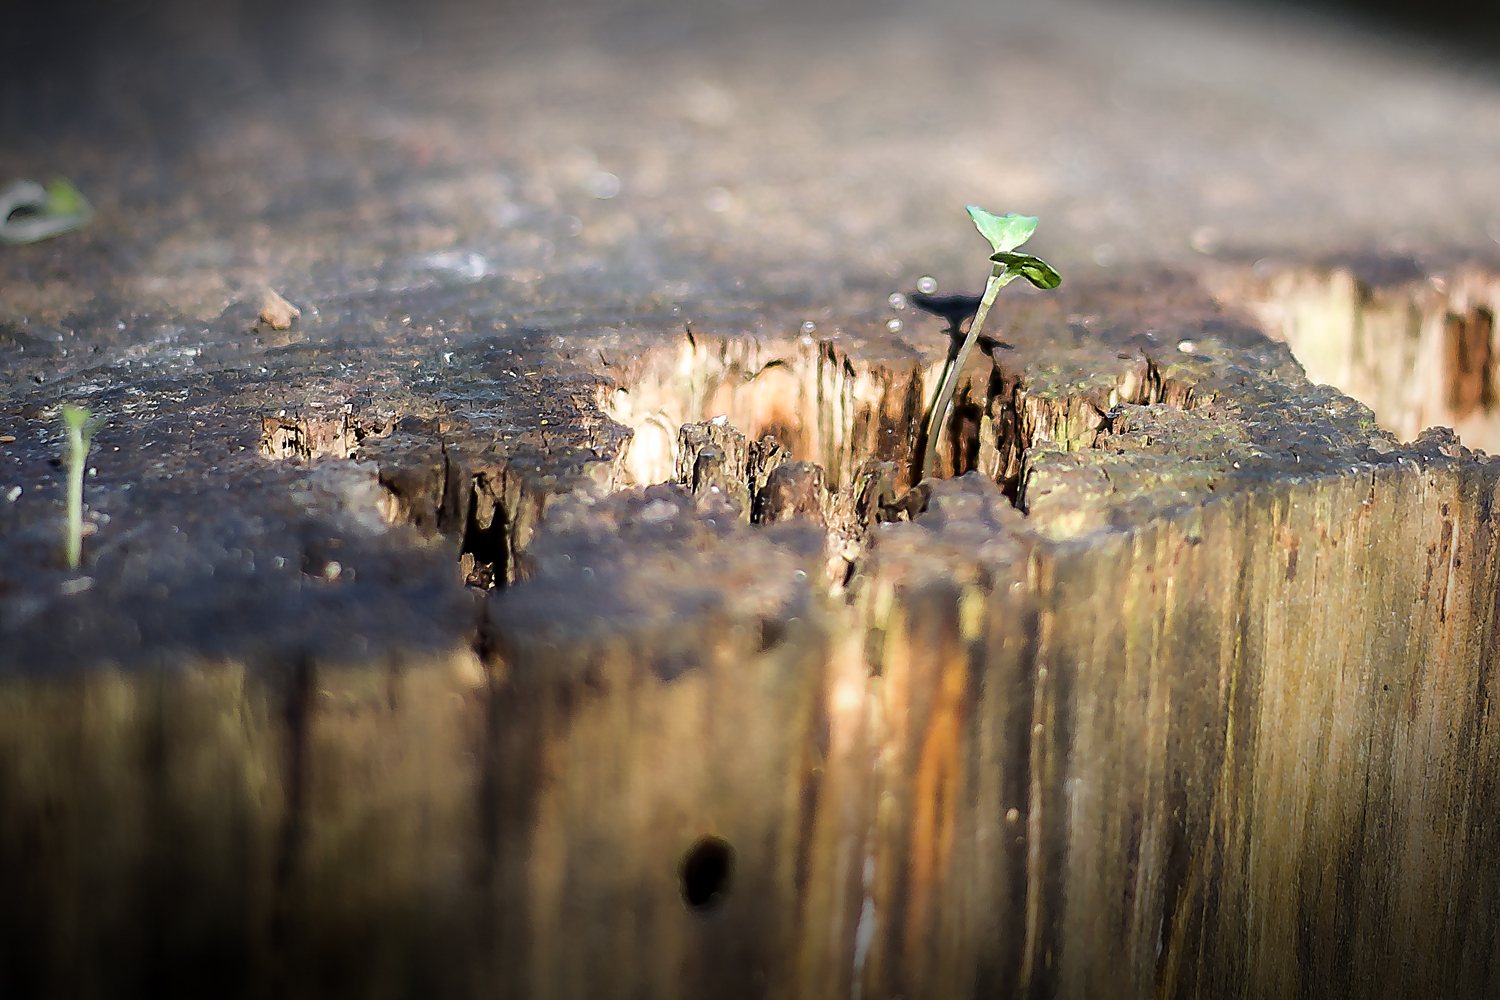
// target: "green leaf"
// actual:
[[57, 208], [65, 199], [81, 419], [75, 417], [1033, 269], [1005, 232]]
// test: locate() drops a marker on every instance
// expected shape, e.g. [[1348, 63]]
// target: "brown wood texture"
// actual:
[[1201, 708], [548, 608]]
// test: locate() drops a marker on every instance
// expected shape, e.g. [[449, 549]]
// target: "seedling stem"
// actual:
[[81, 427], [1005, 233]]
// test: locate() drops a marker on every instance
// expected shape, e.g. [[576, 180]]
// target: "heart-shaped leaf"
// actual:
[[1033, 269], [1005, 232]]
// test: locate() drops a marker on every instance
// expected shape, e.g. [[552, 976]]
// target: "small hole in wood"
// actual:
[[772, 633], [707, 871]]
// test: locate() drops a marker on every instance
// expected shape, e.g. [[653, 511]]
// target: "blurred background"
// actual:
[[639, 151]]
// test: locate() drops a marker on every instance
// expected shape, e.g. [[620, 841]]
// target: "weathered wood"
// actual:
[[713, 457], [795, 489], [1201, 709], [1418, 348], [426, 646]]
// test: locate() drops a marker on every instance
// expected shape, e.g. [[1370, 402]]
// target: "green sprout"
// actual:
[[1005, 233], [81, 426], [30, 212]]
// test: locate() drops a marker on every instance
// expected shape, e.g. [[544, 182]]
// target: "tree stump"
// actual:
[[483, 633]]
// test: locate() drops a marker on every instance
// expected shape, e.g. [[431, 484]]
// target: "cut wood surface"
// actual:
[[506, 573]]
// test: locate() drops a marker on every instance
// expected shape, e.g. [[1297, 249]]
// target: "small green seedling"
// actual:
[[1005, 233], [81, 425], [30, 212]]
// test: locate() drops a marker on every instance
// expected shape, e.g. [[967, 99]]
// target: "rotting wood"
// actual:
[[794, 490], [714, 457], [1194, 702], [1418, 347], [1184, 691]]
